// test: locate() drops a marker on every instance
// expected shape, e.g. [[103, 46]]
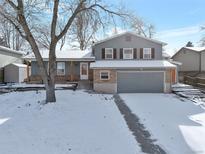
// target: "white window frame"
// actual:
[[108, 50], [105, 72], [63, 68], [147, 50], [124, 53]]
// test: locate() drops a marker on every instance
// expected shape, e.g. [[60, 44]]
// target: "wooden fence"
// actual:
[[1, 75], [195, 81]]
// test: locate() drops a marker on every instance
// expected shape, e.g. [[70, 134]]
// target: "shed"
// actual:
[[15, 73]]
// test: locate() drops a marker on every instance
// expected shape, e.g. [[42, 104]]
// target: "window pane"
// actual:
[[84, 69], [127, 54], [147, 53], [108, 53], [60, 68], [104, 75]]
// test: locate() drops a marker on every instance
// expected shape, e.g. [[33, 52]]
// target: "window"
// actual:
[[108, 53], [104, 75], [60, 68], [147, 53], [127, 53]]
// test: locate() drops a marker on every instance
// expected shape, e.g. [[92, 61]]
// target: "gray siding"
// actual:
[[190, 60], [120, 42], [203, 61], [140, 82], [35, 69]]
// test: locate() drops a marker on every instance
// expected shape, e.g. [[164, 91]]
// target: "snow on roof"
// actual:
[[132, 33], [166, 55], [19, 65], [199, 49], [132, 64], [64, 54], [2, 48]]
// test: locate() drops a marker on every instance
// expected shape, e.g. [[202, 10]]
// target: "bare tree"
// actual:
[[85, 27], [203, 38], [10, 36], [141, 27], [138, 25], [21, 14]]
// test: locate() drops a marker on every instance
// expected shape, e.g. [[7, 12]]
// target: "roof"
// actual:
[[69, 54], [166, 55], [131, 33], [175, 62], [5, 49], [199, 49], [195, 49], [132, 64], [19, 65]]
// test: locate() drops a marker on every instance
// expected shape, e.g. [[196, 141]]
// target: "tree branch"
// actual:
[[54, 19], [12, 4], [70, 20], [15, 25]]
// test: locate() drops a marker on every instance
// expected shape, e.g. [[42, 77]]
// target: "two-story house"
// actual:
[[123, 63], [128, 62]]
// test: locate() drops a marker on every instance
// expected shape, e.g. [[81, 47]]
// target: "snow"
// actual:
[[64, 54], [195, 48], [25, 85], [2, 48], [132, 64], [181, 85], [19, 65], [129, 33], [178, 125], [78, 123]]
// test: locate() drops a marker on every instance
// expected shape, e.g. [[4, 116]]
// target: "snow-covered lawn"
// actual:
[[179, 126], [79, 123]]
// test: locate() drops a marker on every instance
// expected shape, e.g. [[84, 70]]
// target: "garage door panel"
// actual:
[[140, 82]]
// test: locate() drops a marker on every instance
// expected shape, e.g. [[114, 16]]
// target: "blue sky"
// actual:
[[176, 21]]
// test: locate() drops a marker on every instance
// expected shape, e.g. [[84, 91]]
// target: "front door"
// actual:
[[84, 71]]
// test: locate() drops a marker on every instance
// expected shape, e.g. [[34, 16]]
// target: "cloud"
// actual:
[[179, 32]]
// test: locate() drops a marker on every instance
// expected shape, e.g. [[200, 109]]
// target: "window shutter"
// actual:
[[114, 53], [121, 53], [135, 53], [103, 53], [93, 52], [153, 53], [141, 53]]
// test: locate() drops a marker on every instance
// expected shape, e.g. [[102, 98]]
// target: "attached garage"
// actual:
[[140, 82], [137, 76]]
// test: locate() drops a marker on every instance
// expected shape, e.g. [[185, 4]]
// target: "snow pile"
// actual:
[[178, 125], [79, 123], [193, 94]]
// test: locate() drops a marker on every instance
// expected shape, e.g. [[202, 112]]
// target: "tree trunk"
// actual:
[[50, 84], [50, 91]]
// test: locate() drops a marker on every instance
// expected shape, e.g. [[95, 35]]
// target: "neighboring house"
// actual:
[[192, 59], [122, 63], [8, 56]]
